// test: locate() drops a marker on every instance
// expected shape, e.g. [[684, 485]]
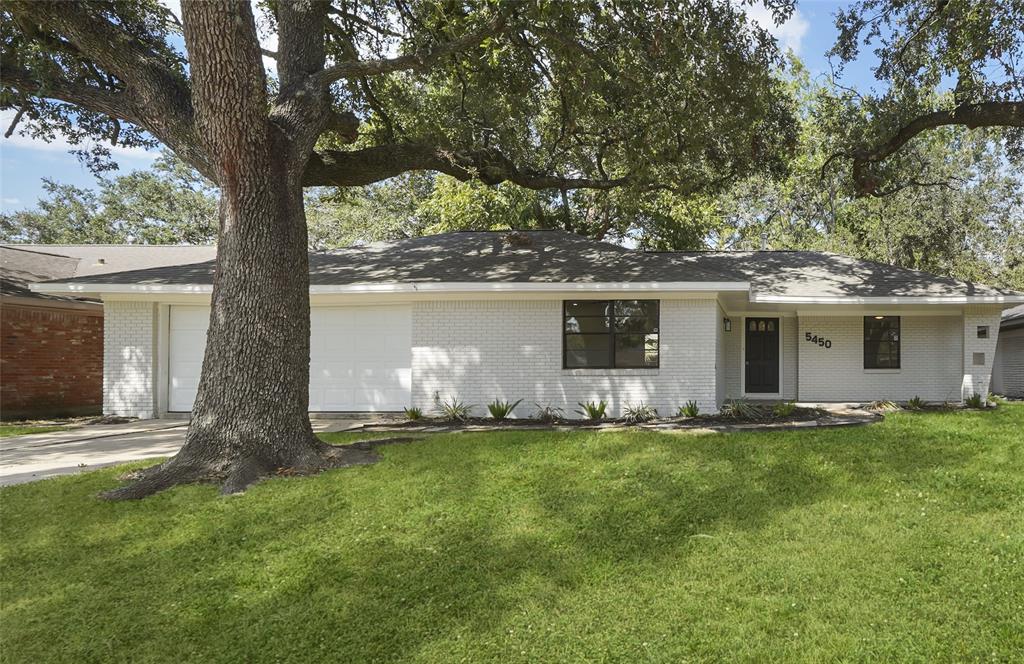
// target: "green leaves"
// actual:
[[169, 204]]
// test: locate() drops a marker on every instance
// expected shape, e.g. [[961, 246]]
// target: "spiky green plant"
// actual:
[[413, 413], [500, 410], [637, 413], [741, 409], [975, 401], [455, 410], [689, 409], [548, 413], [592, 411]]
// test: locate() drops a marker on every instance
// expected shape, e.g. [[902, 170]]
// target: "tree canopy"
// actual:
[[924, 49], [545, 95]]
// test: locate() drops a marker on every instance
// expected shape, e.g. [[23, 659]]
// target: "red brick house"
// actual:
[[51, 346]]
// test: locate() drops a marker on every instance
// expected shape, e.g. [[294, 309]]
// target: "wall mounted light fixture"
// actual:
[[728, 324]]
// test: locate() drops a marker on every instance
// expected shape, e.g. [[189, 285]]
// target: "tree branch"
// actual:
[[972, 116], [412, 62], [361, 167], [115, 104]]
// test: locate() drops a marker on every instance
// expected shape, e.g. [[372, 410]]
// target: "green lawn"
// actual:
[[902, 541], [8, 430]]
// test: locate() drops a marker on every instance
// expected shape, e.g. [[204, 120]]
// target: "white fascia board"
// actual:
[[119, 288], [900, 299], [435, 287]]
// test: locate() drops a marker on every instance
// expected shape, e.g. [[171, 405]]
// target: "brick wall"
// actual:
[[51, 361], [482, 350], [129, 359], [931, 359], [977, 376]]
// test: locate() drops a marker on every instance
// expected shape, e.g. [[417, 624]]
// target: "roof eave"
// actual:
[[894, 299], [79, 288]]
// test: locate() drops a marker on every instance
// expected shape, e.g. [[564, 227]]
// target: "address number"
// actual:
[[815, 339]]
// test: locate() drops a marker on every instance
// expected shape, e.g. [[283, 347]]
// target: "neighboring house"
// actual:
[[51, 345], [1008, 369], [554, 318]]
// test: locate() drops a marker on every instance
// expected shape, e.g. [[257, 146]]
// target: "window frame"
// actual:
[[611, 334], [874, 366]]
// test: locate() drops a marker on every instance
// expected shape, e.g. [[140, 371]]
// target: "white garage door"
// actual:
[[360, 357]]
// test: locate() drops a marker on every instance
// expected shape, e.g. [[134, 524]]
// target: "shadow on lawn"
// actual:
[[320, 580]]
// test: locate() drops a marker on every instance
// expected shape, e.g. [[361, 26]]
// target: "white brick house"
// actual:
[[552, 318]]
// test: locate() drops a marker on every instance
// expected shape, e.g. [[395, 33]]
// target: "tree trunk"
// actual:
[[250, 415]]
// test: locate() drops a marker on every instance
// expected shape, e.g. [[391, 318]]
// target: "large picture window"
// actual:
[[881, 342], [610, 334]]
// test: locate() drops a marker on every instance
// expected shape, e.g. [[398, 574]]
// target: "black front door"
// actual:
[[762, 356]]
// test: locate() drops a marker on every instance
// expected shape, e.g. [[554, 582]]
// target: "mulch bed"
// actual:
[[766, 419]]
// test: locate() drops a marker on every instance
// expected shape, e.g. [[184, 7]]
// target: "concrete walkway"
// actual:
[[92, 446]]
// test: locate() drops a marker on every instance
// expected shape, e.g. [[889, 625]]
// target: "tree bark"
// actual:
[[250, 415]]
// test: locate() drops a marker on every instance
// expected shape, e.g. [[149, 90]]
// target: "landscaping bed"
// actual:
[[749, 416]]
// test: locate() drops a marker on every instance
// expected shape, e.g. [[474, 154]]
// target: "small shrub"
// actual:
[[592, 411], [741, 409], [883, 405], [784, 409], [500, 410], [548, 413], [917, 403], [975, 401], [641, 412], [690, 409], [413, 413], [455, 410]]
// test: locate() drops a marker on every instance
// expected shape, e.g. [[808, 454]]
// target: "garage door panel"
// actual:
[[360, 357]]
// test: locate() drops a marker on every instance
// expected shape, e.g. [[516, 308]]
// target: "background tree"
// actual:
[[167, 204], [924, 46], [648, 95], [964, 219]]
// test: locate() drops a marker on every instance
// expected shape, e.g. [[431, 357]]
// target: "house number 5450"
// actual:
[[821, 341]]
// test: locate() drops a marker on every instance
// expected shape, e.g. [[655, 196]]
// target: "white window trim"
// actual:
[[743, 359]]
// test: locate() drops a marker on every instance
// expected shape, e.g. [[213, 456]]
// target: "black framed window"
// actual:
[[610, 334], [881, 342]]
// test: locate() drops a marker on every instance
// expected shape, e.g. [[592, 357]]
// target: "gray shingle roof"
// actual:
[[19, 268], [560, 257], [106, 258], [822, 274], [1013, 317]]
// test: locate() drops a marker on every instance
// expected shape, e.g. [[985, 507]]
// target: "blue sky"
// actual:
[[25, 161]]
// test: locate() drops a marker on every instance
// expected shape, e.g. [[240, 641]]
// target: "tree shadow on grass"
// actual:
[[436, 543]]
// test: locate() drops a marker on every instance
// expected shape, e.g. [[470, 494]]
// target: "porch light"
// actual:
[[728, 324], [879, 317]]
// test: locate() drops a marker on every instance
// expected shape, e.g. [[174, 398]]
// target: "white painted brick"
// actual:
[[931, 352], [479, 350], [129, 358], [977, 378]]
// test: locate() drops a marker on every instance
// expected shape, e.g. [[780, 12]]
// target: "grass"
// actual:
[[896, 542], [8, 430]]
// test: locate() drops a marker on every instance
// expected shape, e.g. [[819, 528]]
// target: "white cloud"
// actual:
[[10, 201], [790, 34], [61, 143]]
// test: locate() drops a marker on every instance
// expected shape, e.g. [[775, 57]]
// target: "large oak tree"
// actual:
[[645, 94], [941, 63]]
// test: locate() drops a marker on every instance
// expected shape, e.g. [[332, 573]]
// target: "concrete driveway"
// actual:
[[74, 450]]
